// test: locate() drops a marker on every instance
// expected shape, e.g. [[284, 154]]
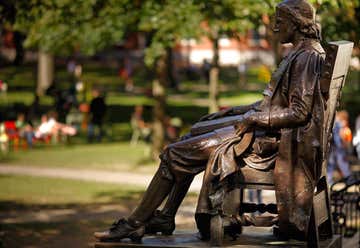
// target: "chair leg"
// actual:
[[241, 200], [326, 229], [216, 231], [312, 233]]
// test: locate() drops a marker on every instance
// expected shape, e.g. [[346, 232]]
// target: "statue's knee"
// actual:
[[165, 165]]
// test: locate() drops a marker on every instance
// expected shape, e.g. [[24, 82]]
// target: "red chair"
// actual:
[[12, 132]]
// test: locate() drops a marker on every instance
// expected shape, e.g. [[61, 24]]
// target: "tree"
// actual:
[[229, 18], [63, 26], [340, 20], [7, 19], [165, 22]]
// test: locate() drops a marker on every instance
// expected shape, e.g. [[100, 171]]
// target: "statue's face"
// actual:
[[284, 27]]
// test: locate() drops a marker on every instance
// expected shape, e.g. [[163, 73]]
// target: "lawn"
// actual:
[[31, 191], [108, 156], [57, 213], [43, 212]]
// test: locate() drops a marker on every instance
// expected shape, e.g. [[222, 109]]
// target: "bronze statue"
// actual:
[[284, 128]]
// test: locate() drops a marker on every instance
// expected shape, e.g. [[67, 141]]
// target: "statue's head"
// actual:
[[295, 16]]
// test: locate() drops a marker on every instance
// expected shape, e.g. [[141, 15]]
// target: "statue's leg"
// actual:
[[176, 196], [133, 227], [158, 189], [164, 221], [186, 159], [180, 162]]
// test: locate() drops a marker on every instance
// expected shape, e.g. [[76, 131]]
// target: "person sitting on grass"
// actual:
[[50, 127], [25, 130]]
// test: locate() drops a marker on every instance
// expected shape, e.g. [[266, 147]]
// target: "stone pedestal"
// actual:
[[251, 237]]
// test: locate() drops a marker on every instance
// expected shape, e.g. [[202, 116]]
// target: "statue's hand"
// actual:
[[241, 128], [216, 115], [245, 125]]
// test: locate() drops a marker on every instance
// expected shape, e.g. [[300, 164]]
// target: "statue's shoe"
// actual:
[[122, 229], [160, 222]]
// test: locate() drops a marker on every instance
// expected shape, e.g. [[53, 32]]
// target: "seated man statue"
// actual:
[[291, 114]]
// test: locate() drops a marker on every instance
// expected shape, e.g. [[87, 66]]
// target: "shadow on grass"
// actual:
[[61, 225], [124, 198], [55, 235]]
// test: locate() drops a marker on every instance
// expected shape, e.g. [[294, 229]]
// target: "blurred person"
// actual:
[[4, 139], [34, 112], [356, 139], [3, 91], [70, 66], [258, 195], [346, 134], [341, 139], [251, 196], [97, 113], [206, 67], [139, 126], [74, 117], [51, 127], [63, 103], [45, 128], [242, 70], [173, 128], [125, 73], [25, 129]]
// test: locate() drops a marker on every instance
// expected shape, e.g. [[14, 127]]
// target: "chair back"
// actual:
[[333, 75]]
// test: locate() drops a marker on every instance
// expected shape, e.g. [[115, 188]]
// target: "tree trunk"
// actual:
[[159, 93], [45, 72], [214, 79], [20, 52], [171, 69]]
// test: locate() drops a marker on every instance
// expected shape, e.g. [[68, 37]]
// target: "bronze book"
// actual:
[[208, 126]]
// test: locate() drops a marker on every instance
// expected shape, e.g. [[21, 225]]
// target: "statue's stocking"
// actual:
[[156, 192], [176, 196]]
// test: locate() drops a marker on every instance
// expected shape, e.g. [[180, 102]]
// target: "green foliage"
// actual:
[[167, 22], [233, 16], [63, 26], [339, 19]]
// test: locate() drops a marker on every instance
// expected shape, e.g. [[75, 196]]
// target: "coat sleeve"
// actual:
[[304, 75], [238, 110]]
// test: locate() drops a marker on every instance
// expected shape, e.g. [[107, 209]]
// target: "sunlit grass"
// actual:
[[112, 157], [27, 190], [22, 97]]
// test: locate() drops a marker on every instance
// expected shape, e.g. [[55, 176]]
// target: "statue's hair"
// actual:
[[303, 16]]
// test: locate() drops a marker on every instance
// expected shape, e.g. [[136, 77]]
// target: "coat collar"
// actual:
[[287, 60]]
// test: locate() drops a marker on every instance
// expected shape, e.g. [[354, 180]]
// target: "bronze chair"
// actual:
[[334, 72]]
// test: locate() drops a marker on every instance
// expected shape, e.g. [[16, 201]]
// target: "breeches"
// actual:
[[186, 158]]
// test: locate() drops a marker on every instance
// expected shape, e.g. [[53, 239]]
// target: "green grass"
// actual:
[[26, 190], [112, 157], [23, 97], [241, 98]]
